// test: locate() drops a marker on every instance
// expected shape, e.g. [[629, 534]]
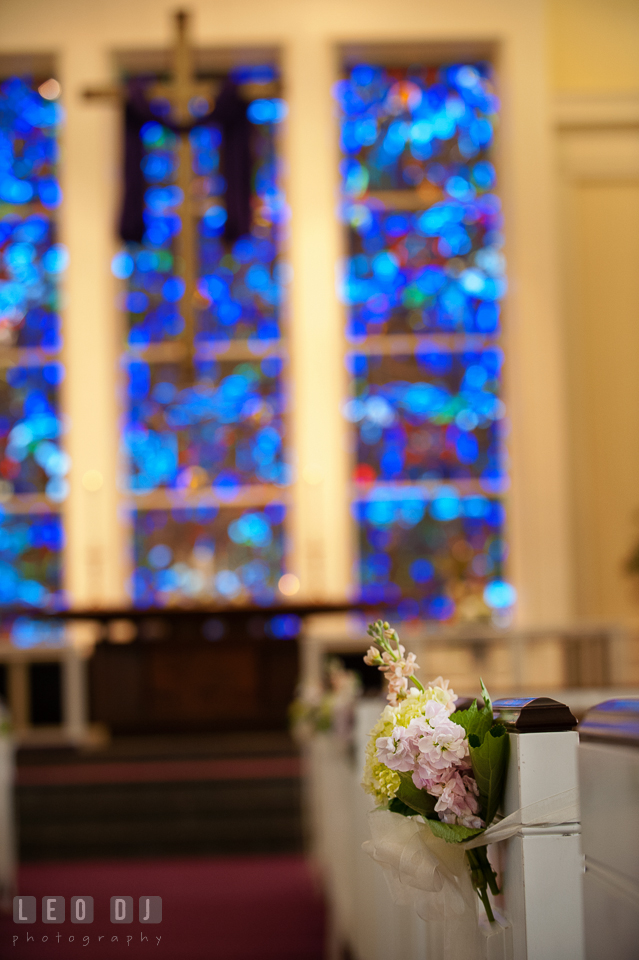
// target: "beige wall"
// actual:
[[602, 332], [593, 45], [594, 70]]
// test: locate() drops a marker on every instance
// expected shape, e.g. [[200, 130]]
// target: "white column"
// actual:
[[534, 375], [91, 330], [320, 522]]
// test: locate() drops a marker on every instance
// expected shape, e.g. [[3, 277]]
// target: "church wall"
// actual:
[[592, 45], [85, 37], [594, 72], [603, 337]]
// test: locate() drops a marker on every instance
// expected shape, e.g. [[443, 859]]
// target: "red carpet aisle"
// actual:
[[249, 908]]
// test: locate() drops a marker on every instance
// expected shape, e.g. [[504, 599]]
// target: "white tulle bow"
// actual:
[[433, 876], [430, 875]]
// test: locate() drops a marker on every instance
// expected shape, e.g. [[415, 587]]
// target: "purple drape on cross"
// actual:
[[230, 116]]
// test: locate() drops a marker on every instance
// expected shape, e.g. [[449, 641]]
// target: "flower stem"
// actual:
[[487, 870], [483, 895], [483, 876]]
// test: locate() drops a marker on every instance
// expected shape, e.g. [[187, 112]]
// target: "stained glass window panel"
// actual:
[[432, 557], [218, 431], [432, 415], [225, 431], [403, 125], [30, 430], [399, 275], [33, 463], [207, 554], [239, 287], [423, 284], [30, 559]]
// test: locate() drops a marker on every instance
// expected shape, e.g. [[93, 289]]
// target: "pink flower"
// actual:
[[434, 710], [372, 657], [458, 800], [394, 670], [397, 667], [397, 751], [397, 690], [450, 693], [411, 665], [442, 747]]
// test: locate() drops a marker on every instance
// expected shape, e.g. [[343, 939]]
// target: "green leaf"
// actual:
[[490, 762], [398, 806], [452, 832], [474, 721], [488, 703], [466, 718], [418, 800]]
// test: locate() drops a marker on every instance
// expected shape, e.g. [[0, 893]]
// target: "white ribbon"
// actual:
[[560, 808], [432, 875]]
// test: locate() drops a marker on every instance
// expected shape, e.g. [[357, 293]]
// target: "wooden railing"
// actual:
[[580, 656]]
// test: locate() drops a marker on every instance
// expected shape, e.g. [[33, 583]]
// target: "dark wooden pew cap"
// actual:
[[534, 715]]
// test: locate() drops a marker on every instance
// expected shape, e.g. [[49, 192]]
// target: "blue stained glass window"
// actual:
[[225, 431], [33, 463], [31, 259], [399, 279], [434, 415], [423, 284], [433, 557], [30, 560], [239, 288], [208, 554], [30, 429]]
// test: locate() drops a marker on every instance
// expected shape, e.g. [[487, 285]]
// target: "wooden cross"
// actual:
[[184, 88], [180, 91]]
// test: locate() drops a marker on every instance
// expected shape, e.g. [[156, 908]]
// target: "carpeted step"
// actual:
[[158, 805]]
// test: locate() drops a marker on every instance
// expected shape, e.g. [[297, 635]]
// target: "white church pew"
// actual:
[[362, 915], [609, 780]]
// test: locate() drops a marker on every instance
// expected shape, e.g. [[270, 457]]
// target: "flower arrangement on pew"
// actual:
[[318, 710], [426, 759], [5, 720]]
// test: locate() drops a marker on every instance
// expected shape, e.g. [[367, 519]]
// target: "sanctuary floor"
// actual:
[[231, 908], [208, 795]]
